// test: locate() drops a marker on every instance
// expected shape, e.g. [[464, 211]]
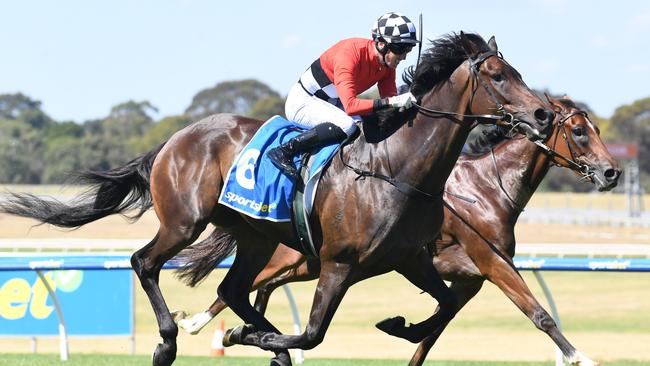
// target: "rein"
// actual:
[[474, 66], [572, 162], [517, 206], [506, 118], [405, 188]]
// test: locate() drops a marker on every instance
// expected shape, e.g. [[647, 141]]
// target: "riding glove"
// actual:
[[404, 101]]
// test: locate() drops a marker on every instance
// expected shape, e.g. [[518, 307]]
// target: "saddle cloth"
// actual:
[[255, 187]]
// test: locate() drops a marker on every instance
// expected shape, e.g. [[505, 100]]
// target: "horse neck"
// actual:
[[427, 151], [521, 166]]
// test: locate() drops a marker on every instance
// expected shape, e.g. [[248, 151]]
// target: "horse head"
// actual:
[[575, 139], [498, 88]]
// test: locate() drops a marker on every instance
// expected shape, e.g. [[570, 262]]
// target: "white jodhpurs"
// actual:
[[311, 111]]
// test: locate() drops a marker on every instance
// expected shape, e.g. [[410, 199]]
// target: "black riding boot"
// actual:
[[319, 136]]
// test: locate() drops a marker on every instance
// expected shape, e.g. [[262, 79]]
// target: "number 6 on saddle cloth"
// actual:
[[257, 188]]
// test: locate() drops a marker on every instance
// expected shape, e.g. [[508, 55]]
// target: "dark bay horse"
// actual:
[[461, 74], [477, 241]]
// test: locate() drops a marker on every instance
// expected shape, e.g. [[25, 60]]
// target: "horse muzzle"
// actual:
[[606, 179], [531, 132]]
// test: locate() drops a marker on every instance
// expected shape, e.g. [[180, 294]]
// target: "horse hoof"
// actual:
[[391, 325], [235, 335], [282, 359], [164, 355], [178, 315]]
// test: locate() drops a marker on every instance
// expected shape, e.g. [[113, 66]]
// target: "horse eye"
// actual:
[[497, 77], [577, 131]]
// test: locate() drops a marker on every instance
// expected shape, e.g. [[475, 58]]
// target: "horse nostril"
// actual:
[[612, 174], [543, 115]]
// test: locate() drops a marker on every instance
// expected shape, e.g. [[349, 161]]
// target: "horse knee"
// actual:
[[312, 338], [543, 320]]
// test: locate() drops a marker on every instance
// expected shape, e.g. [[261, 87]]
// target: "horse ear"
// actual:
[[492, 44], [470, 48], [557, 106], [548, 97]]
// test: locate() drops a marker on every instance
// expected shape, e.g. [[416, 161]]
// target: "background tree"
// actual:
[[161, 132], [120, 132], [21, 107], [237, 97], [20, 152], [267, 107]]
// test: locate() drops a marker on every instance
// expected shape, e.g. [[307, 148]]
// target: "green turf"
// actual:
[[112, 360]]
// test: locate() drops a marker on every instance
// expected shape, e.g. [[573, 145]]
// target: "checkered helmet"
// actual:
[[394, 28]]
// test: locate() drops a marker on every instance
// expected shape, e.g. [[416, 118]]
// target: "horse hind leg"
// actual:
[[286, 265], [334, 280], [147, 263], [300, 269], [253, 253]]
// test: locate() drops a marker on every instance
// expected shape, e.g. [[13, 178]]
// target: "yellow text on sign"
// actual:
[[16, 296]]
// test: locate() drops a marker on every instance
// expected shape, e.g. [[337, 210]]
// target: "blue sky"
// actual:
[[82, 57]]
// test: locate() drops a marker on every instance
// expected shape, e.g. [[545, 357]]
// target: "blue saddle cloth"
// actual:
[[255, 187]]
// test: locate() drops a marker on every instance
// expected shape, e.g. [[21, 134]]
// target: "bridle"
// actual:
[[573, 163], [503, 117]]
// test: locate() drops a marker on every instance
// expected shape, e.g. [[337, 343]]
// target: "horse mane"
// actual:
[[439, 61], [567, 102], [436, 65]]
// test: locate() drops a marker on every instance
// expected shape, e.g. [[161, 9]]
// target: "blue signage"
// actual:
[[93, 302]]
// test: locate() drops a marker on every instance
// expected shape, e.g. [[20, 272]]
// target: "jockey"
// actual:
[[325, 96]]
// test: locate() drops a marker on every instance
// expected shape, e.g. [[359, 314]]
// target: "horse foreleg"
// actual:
[[333, 283], [253, 253], [504, 275], [422, 273], [286, 265], [464, 292]]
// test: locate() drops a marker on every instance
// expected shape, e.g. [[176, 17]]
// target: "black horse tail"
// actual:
[[111, 192], [199, 259]]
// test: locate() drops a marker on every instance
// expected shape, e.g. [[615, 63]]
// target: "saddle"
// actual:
[[257, 188]]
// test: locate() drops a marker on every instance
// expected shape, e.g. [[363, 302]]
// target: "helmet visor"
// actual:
[[399, 48]]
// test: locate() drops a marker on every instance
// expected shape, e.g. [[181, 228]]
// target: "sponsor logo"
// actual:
[[17, 296], [123, 263], [609, 264], [247, 202], [529, 263]]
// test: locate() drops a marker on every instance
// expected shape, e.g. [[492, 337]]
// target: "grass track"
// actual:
[[106, 360], [606, 316]]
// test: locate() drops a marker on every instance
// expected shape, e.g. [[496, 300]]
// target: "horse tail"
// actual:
[[199, 259], [111, 192]]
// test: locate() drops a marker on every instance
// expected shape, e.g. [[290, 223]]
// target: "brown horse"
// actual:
[[461, 74], [477, 241]]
